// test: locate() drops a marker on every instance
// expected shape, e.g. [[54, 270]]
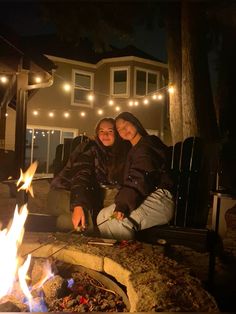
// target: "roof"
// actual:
[[84, 52], [12, 47]]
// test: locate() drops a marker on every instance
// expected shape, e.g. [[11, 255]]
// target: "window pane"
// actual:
[[54, 141], [82, 80], [120, 80], [80, 95], [40, 149], [28, 150], [152, 82], [141, 83]]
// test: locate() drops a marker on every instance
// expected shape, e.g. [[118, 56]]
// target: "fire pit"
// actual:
[[152, 281]]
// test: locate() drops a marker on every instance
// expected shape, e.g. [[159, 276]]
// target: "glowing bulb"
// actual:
[[38, 79], [51, 114], [83, 114], [111, 102], [131, 103], [6, 114], [100, 111], [145, 101], [154, 96], [90, 97], [3, 79], [66, 87], [117, 108], [136, 103], [159, 96], [35, 112], [171, 89], [66, 114]]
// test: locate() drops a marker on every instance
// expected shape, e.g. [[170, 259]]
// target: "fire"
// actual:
[[12, 270], [10, 241], [26, 178]]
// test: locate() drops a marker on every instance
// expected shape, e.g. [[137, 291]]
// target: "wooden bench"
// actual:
[[188, 165], [63, 152]]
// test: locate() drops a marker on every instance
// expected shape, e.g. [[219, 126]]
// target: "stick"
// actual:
[[49, 242]]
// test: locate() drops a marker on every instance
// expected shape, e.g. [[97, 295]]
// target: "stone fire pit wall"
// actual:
[[153, 282]]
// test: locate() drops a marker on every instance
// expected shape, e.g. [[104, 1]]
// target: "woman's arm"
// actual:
[[138, 183]]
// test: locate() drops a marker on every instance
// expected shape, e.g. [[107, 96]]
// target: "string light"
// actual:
[[66, 114], [38, 79], [171, 89], [145, 99], [3, 79], [90, 97], [66, 87]]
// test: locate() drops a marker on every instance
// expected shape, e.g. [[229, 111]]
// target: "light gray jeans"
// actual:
[[157, 209]]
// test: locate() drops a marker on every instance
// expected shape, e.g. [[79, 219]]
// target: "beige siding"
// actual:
[[54, 98]]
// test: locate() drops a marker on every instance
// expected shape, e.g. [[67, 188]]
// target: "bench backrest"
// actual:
[[7, 164], [187, 167], [63, 151]]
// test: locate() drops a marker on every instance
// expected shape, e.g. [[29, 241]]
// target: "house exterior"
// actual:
[[88, 86]]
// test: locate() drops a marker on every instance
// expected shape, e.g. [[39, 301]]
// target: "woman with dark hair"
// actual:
[[145, 198], [94, 170]]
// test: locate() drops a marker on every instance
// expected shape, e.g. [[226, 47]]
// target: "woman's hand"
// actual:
[[78, 217], [119, 215]]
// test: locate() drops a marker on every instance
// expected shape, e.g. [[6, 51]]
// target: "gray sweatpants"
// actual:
[[157, 209]]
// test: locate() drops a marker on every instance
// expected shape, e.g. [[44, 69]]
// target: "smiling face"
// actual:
[[106, 133], [127, 131]]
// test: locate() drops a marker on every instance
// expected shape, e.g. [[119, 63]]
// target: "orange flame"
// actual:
[[9, 244], [26, 178]]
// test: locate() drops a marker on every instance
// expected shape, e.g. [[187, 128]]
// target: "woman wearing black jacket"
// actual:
[[93, 165], [145, 198]]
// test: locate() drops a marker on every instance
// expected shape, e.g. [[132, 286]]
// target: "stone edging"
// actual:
[[153, 281]]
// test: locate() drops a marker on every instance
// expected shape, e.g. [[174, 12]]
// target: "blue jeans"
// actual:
[[157, 209]]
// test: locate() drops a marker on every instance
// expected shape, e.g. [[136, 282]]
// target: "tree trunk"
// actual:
[[175, 70], [199, 117], [190, 122]]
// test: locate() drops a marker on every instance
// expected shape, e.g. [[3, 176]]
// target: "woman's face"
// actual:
[[126, 130], [106, 133]]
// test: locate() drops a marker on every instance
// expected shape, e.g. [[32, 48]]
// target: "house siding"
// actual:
[[54, 98]]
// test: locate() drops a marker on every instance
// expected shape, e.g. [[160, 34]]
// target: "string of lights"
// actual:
[[112, 102]]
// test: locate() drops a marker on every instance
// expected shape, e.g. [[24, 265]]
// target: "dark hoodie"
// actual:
[[146, 169], [89, 167]]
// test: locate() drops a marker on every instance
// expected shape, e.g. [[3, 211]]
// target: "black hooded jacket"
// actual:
[[146, 170], [90, 166]]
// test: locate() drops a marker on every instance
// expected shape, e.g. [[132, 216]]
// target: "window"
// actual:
[[147, 82], [41, 144], [83, 85], [120, 82]]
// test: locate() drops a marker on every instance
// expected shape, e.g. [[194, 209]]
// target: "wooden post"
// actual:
[[21, 121]]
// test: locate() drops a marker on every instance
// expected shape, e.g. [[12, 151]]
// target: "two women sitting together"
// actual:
[[123, 159]]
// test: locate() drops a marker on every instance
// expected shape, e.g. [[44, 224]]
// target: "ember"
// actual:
[[86, 295]]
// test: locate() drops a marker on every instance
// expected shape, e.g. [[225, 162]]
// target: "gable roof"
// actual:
[[84, 52]]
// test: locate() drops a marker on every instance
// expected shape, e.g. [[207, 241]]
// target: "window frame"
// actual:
[[88, 104], [112, 72], [147, 71]]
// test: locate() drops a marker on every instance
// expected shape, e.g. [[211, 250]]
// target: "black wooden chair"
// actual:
[[188, 165], [63, 152]]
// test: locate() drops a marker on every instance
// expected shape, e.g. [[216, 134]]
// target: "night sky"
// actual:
[[24, 18]]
